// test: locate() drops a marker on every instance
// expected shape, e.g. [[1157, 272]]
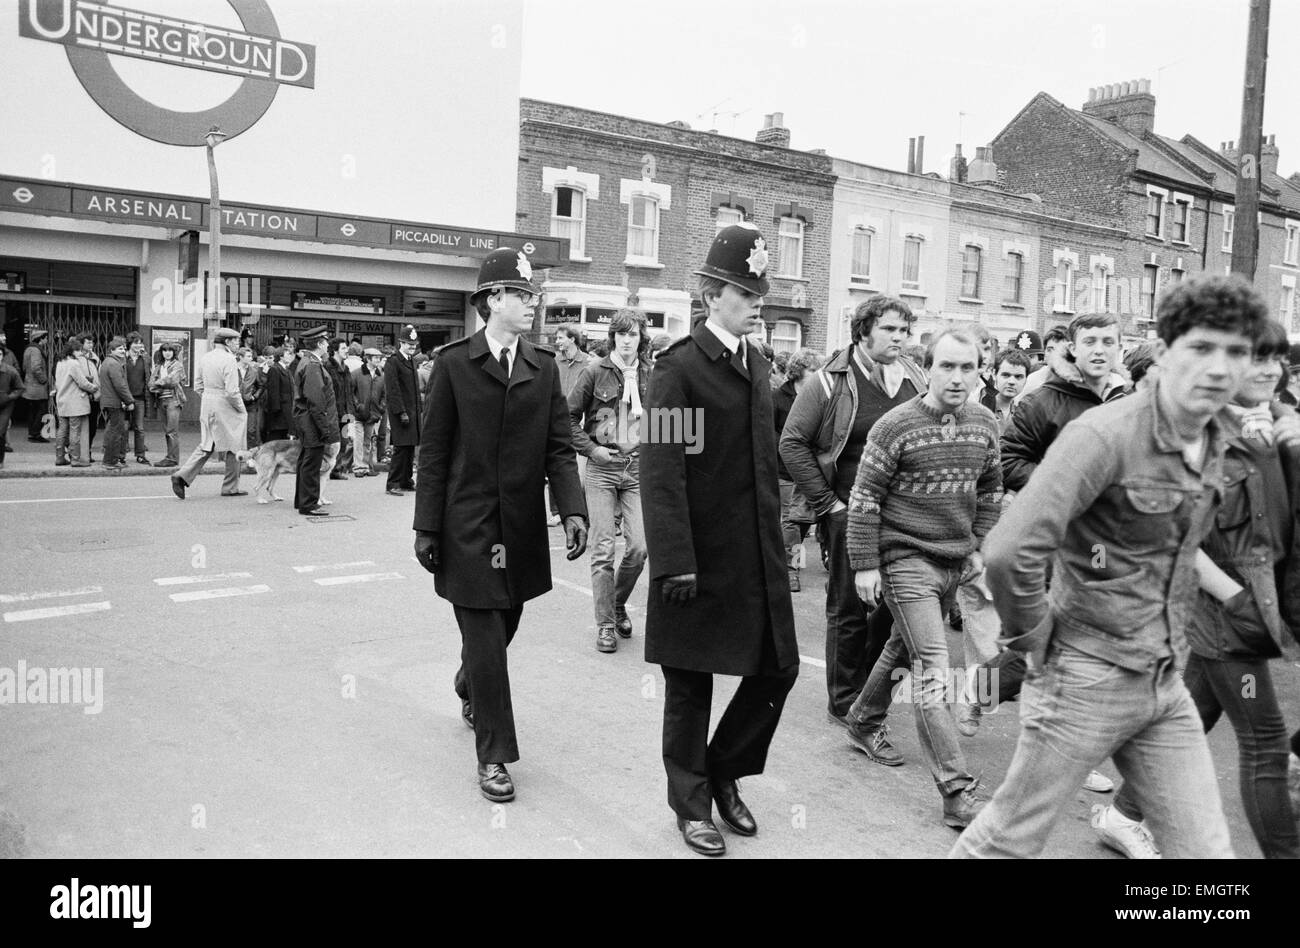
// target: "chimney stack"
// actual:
[[957, 167], [774, 131], [911, 156], [920, 154], [1130, 105], [982, 169], [1268, 154]]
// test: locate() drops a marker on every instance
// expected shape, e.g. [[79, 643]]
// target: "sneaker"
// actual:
[[1098, 783], [874, 742], [1127, 837], [605, 639], [622, 624], [143, 459], [968, 721], [959, 809]]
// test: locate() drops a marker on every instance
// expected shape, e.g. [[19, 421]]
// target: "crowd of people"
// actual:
[[1112, 534], [1115, 535]]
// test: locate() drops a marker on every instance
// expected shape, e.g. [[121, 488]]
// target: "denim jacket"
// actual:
[[593, 404], [1254, 541], [1123, 513]]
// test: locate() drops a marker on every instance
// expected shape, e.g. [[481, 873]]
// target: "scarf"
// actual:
[[1256, 423], [631, 390]]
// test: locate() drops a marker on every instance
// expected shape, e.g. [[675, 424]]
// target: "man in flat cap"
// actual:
[[316, 413], [719, 596], [222, 417], [402, 393], [496, 429]]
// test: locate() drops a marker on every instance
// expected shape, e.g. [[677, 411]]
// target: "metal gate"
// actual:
[[64, 320]]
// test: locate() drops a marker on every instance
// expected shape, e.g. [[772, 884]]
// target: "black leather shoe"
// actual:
[[732, 809], [236, 493], [409, 485], [702, 836], [178, 486], [314, 512], [467, 713], [338, 476], [494, 783], [395, 492]]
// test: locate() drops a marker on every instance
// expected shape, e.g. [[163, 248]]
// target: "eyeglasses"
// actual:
[[525, 297]]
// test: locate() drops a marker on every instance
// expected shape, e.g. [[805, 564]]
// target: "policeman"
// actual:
[[316, 414]]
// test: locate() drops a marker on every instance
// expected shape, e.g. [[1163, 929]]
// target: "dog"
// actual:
[[273, 458]]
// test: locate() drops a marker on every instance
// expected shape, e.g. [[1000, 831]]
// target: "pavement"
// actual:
[[33, 459], [278, 686]]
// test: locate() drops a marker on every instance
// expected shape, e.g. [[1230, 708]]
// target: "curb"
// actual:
[[98, 471]]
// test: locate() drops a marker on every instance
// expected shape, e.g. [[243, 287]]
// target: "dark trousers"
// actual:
[[115, 436], [306, 493], [399, 470], [1218, 688], [6, 412], [739, 745], [137, 426], [484, 679], [95, 408], [855, 636], [35, 412]]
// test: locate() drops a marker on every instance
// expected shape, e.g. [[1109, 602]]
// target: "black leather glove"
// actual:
[[679, 589], [426, 550], [405, 418], [575, 536]]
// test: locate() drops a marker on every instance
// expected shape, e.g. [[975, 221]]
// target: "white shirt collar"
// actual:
[[728, 339], [495, 348]]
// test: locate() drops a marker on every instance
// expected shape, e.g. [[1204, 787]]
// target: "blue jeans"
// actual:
[[171, 429], [612, 487], [137, 425], [914, 588], [1074, 713]]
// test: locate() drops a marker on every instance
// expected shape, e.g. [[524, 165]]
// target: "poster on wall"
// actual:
[[180, 338]]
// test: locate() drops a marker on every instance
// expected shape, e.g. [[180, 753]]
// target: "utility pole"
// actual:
[[1245, 233], [216, 308]]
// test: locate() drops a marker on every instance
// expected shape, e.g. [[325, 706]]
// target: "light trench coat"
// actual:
[[223, 421]]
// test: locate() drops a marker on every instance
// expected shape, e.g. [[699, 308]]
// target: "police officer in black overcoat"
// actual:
[[402, 390], [496, 427], [316, 414], [719, 595]]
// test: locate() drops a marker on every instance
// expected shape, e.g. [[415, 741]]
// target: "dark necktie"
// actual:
[[505, 362], [738, 358]]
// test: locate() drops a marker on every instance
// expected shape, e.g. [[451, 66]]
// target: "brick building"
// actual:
[[1172, 197], [640, 203]]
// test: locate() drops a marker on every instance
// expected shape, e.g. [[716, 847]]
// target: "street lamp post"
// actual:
[[216, 308]]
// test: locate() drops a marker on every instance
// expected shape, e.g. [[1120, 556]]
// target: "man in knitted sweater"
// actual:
[[929, 487]]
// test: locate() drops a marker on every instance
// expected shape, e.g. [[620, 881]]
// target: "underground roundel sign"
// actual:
[[257, 54]]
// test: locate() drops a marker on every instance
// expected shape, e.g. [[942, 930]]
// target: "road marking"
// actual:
[[219, 593], [64, 500], [359, 578], [200, 578], [816, 662], [53, 594], [582, 589], [317, 569], [53, 612]]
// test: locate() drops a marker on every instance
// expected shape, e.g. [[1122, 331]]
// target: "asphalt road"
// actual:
[[311, 712]]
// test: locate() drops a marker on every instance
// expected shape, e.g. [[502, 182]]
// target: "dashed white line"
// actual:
[[359, 578], [582, 589], [317, 569], [200, 578], [219, 593], [54, 612], [82, 500], [52, 594]]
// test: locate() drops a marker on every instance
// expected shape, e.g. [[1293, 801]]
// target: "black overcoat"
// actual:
[[403, 393], [486, 451], [715, 512], [279, 399]]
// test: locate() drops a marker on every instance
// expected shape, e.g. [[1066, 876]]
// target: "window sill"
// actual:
[[643, 263], [1009, 305], [1180, 243], [1154, 237], [915, 294], [1062, 310], [791, 277], [579, 260], [970, 299], [865, 287]]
